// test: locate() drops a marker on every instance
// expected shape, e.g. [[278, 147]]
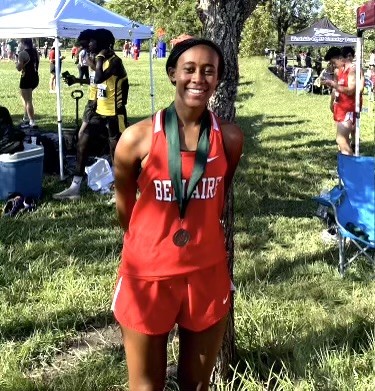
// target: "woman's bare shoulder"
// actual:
[[231, 131], [233, 139], [136, 139]]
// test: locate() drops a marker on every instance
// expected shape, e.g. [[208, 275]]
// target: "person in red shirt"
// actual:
[[74, 52], [52, 61], [343, 96], [135, 52], [172, 173]]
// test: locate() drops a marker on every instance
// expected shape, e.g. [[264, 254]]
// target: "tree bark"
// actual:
[[223, 21]]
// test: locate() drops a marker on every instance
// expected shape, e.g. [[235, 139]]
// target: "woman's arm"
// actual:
[[21, 63], [114, 68], [131, 149]]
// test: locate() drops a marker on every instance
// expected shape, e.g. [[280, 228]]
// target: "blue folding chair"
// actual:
[[301, 80], [353, 205]]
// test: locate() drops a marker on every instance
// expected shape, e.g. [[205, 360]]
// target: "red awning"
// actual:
[[366, 15]]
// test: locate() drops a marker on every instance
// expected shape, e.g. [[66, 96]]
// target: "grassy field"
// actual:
[[299, 325]]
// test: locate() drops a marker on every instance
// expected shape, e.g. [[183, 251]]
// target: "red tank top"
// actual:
[[148, 250], [346, 102]]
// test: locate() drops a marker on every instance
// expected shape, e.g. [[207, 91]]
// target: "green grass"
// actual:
[[299, 325]]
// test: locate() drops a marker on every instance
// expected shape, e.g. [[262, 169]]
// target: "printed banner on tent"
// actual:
[[366, 15], [324, 36], [322, 32]]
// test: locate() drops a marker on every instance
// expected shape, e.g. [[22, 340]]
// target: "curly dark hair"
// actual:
[[85, 36], [104, 39], [346, 50]]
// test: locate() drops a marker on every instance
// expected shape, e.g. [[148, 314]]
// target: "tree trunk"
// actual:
[[223, 21]]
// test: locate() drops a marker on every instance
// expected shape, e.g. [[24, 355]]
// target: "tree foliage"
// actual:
[[99, 2], [342, 13], [292, 15], [258, 33], [174, 16], [343, 16]]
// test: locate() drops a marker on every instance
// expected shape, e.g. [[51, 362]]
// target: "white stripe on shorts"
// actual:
[[117, 291], [349, 116]]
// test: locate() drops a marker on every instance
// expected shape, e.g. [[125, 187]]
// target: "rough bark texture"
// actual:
[[223, 21]]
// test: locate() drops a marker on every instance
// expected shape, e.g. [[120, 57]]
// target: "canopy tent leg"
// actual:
[[358, 67], [58, 104], [151, 79]]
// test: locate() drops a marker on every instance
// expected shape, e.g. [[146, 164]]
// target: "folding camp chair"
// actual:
[[301, 80], [353, 205]]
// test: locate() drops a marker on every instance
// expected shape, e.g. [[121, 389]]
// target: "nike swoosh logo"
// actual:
[[226, 299], [210, 159]]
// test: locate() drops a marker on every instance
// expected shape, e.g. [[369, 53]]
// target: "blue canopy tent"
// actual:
[[13, 6]]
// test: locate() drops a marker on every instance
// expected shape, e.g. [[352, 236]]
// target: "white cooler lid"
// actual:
[[31, 151]]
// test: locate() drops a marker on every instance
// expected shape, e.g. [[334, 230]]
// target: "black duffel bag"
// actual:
[[11, 138]]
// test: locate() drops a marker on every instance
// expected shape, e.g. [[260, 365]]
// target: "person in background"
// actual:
[[308, 60], [45, 49], [343, 96], [83, 67], [319, 62], [11, 49], [112, 86], [74, 53], [370, 74], [52, 60], [270, 56], [154, 51], [177, 267], [298, 59], [372, 58], [4, 54], [125, 49], [89, 115], [135, 52], [28, 65]]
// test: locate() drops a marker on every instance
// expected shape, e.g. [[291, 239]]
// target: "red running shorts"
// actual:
[[342, 115], [195, 301]]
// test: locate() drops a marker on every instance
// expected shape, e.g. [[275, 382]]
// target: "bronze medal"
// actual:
[[181, 238]]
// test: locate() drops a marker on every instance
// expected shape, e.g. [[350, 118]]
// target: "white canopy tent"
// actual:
[[66, 19]]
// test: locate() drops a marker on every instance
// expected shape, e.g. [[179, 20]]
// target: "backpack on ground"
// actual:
[[11, 138], [50, 142]]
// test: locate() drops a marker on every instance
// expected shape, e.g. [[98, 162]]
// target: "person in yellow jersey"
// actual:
[[105, 107], [112, 88]]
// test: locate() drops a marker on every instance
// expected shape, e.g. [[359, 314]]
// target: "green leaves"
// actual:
[[342, 13], [174, 16]]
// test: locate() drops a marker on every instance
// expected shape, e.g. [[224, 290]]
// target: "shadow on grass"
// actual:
[[288, 360], [281, 178], [244, 96], [245, 83], [71, 318]]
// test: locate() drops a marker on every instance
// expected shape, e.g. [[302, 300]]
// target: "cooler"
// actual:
[[22, 172]]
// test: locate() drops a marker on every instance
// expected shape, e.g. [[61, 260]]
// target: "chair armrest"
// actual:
[[330, 198]]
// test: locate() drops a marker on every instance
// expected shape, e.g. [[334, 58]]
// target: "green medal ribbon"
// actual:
[[174, 156]]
